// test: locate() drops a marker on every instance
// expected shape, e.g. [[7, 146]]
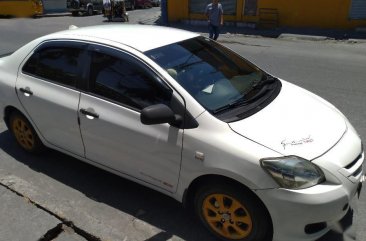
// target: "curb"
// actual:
[[55, 15], [303, 37], [352, 40]]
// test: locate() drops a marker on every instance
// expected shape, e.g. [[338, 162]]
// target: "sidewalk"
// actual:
[[285, 33], [352, 35]]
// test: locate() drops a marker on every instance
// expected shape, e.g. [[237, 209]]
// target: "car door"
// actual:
[[120, 86], [47, 87]]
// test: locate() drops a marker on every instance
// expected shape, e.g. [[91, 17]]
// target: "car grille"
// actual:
[[353, 170]]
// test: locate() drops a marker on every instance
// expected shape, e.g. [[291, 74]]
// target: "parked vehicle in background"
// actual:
[[130, 4], [156, 3], [21, 8], [84, 6], [115, 10], [143, 4]]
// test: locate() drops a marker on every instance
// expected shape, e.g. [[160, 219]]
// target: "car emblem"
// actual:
[[301, 141]]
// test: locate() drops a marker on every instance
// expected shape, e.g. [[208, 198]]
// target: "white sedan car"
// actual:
[[255, 157]]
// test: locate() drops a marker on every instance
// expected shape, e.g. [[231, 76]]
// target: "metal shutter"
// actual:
[[358, 9], [199, 6]]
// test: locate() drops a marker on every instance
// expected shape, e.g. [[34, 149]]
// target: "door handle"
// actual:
[[90, 115], [27, 92]]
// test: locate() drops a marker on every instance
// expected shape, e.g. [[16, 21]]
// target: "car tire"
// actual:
[[75, 13], [24, 133], [75, 4], [232, 214], [90, 11]]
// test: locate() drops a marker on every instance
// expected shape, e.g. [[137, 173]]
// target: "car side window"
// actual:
[[125, 81], [58, 64]]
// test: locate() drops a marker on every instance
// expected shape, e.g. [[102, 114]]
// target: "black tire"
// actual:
[[75, 4], [75, 13], [90, 11], [232, 213], [24, 133]]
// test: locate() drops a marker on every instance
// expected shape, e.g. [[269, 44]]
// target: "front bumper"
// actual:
[[293, 212], [308, 214]]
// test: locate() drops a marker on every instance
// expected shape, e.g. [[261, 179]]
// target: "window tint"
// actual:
[[59, 64], [125, 81], [212, 74]]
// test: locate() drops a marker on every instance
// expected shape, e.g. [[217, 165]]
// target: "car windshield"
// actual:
[[215, 76]]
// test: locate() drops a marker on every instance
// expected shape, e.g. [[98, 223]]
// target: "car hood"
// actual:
[[297, 123]]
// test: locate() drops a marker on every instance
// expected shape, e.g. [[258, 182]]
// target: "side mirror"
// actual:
[[159, 114]]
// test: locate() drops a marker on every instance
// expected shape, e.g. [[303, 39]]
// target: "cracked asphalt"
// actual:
[[30, 221]]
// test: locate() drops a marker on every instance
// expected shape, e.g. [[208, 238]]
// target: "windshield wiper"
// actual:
[[243, 100], [269, 79], [239, 102]]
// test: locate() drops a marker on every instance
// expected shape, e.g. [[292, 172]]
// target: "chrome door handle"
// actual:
[[27, 92], [89, 114]]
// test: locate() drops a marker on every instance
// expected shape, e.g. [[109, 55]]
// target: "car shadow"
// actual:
[[129, 197], [143, 203]]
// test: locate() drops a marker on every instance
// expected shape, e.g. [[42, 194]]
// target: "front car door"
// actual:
[[47, 87], [120, 86]]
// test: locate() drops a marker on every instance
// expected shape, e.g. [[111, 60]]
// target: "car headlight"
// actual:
[[293, 172]]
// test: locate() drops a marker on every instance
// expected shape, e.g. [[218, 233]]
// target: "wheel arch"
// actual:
[[8, 110], [190, 192], [90, 5]]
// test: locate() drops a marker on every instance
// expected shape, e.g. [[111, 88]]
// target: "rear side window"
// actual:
[[57, 64]]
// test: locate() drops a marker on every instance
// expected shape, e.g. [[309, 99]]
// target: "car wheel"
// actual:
[[232, 214], [75, 4], [90, 11], [24, 133], [75, 13]]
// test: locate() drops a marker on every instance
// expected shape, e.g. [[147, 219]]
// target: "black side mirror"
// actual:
[[159, 114]]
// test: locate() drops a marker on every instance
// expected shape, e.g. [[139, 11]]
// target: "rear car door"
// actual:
[[47, 87], [120, 86]]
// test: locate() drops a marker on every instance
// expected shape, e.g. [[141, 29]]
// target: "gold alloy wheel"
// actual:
[[227, 216], [23, 133]]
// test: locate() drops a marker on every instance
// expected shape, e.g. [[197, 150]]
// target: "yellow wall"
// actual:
[[313, 13], [292, 13]]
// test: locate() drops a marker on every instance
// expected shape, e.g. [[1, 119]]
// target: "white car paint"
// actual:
[[169, 160], [295, 123]]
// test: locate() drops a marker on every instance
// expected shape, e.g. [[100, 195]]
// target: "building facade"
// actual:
[[340, 14]]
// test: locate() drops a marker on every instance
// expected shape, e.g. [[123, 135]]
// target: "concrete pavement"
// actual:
[[22, 219]]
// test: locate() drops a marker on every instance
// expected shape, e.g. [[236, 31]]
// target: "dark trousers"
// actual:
[[214, 31]]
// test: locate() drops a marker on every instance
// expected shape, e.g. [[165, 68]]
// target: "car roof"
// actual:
[[140, 37]]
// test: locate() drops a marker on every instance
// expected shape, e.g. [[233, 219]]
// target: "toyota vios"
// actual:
[[190, 118]]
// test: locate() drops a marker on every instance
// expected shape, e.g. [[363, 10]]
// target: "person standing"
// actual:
[[214, 13]]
